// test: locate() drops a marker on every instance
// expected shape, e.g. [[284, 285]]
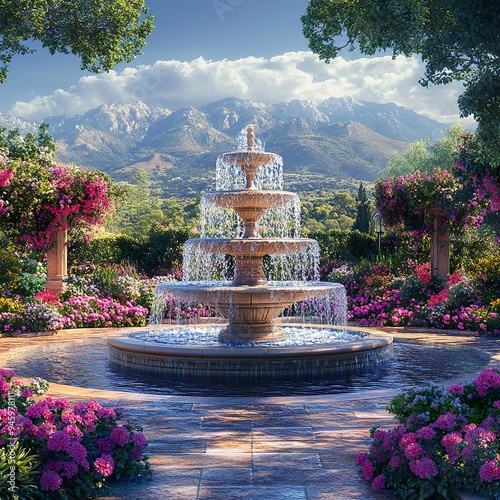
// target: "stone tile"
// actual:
[[202, 460], [299, 460], [285, 446], [162, 492], [252, 493], [269, 475], [175, 477], [226, 476], [298, 433]]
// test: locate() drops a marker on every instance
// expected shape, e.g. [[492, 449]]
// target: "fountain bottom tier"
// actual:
[[250, 311], [356, 351]]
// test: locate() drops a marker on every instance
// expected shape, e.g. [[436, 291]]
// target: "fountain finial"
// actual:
[[250, 139]]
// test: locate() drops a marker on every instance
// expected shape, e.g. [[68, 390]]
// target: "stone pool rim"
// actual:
[[245, 361]]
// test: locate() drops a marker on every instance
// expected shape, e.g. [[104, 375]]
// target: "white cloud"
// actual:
[[293, 75]]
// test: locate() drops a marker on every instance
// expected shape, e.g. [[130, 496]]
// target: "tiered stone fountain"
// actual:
[[249, 343]]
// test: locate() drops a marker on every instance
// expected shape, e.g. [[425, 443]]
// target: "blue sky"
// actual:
[[205, 50]]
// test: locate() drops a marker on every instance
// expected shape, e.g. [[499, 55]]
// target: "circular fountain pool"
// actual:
[[86, 364], [328, 352]]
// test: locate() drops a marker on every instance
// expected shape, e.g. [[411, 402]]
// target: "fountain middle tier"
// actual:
[[248, 253], [251, 310], [250, 204]]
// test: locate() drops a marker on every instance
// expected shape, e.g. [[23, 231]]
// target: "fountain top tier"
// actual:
[[250, 160]]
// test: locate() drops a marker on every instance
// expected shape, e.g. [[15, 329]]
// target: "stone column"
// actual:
[[440, 246], [57, 260]]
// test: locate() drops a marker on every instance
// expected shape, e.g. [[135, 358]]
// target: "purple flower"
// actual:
[[445, 422], [59, 441], [139, 440], [379, 482], [120, 436], [490, 471], [50, 481]]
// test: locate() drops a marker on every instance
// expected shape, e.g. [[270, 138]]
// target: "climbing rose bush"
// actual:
[[409, 202], [37, 200], [448, 441], [77, 451]]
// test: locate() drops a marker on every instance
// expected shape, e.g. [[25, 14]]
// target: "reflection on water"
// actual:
[[86, 364]]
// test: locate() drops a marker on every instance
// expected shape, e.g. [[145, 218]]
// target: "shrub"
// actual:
[[75, 453], [492, 319], [486, 273], [91, 312], [10, 269], [448, 441], [105, 249]]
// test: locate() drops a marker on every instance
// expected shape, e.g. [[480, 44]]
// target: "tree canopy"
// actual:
[[101, 32], [459, 40]]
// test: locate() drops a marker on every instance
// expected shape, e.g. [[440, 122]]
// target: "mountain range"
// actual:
[[323, 145]]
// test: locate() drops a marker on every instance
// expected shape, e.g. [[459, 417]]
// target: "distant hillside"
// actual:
[[338, 141]]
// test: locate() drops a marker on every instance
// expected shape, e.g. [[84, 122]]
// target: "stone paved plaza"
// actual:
[[255, 448]]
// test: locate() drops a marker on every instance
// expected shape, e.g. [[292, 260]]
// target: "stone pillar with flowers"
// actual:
[[57, 259], [440, 245]]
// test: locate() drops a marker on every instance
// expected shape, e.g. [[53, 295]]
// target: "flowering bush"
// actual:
[[31, 317], [410, 202], [75, 452], [448, 441], [89, 312], [36, 200]]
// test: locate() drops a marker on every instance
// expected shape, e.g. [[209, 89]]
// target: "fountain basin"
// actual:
[[253, 362], [250, 310]]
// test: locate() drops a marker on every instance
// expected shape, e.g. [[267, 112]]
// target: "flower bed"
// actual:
[[50, 450], [448, 441]]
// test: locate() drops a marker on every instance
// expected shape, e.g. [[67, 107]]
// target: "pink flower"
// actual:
[[104, 465], [424, 468], [413, 450], [73, 431], [50, 481], [485, 380], [426, 433]]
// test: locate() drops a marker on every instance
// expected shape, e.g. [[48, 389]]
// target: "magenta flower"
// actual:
[[485, 380], [120, 436], [104, 465], [490, 471], [446, 422], [368, 469], [59, 441], [424, 468]]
